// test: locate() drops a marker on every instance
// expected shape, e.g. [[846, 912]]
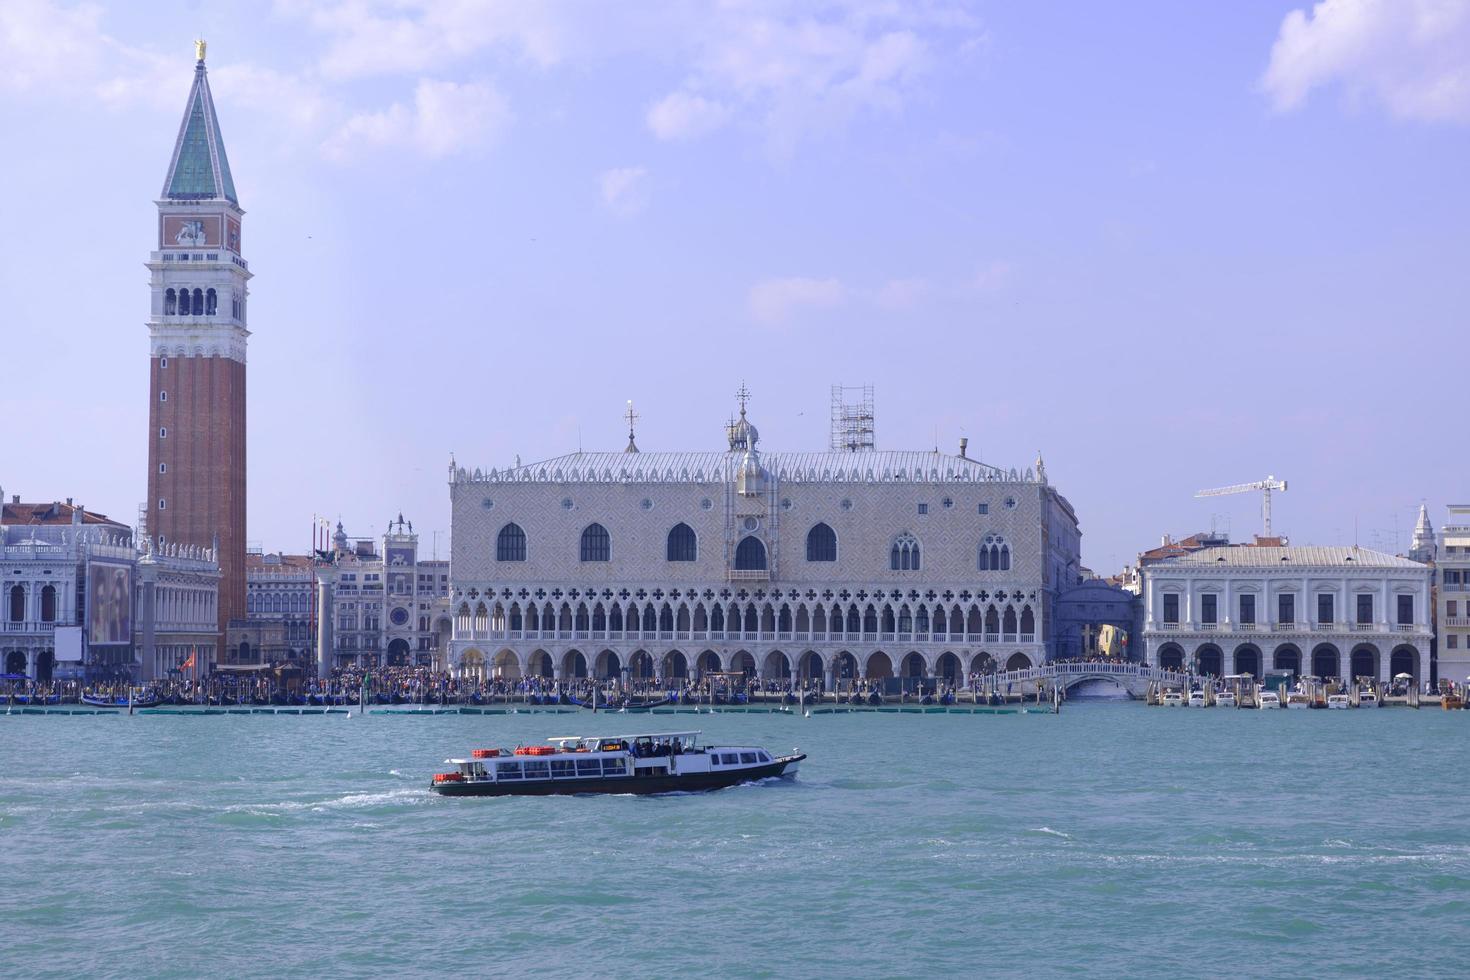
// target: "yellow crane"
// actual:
[[1265, 486]]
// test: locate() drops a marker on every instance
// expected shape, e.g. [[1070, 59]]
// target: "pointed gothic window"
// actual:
[[904, 555], [510, 544], [750, 555], [821, 543], [683, 545], [596, 544]]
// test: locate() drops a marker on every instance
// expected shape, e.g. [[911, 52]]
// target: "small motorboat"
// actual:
[[1197, 699], [1298, 700], [1268, 700], [1368, 698], [663, 762], [1225, 699], [1172, 699], [1339, 702]]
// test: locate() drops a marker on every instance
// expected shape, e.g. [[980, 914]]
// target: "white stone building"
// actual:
[[1329, 612], [1452, 578], [81, 602], [381, 603], [788, 565]]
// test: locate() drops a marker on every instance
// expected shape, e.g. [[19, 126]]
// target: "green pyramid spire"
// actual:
[[199, 170]]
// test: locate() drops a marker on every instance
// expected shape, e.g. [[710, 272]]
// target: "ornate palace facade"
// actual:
[[787, 565]]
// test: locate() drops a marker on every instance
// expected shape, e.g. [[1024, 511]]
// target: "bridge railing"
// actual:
[[1067, 670]]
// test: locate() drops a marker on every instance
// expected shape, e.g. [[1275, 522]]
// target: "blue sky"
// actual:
[[1171, 246]]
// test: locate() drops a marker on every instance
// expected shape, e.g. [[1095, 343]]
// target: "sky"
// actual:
[[1168, 246]]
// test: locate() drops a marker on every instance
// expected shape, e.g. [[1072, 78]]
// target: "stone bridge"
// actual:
[[1090, 679]]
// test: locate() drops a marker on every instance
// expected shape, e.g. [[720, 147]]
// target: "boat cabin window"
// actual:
[[613, 767], [562, 768], [748, 758], [537, 769], [765, 757], [508, 770], [589, 767], [729, 759]]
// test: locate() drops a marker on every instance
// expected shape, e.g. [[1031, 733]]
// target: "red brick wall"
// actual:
[[204, 488]]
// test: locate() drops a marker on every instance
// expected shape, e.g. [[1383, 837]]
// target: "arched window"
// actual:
[[683, 546], [750, 555], [821, 544], [48, 604], [510, 544], [1005, 557], [984, 557], [17, 604], [904, 555], [211, 303], [596, 545], [170, 302], [198, 302]]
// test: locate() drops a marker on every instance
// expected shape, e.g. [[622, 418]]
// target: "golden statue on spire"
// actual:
[[199, 47]]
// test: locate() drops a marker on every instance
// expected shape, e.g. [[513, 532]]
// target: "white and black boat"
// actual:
[[663, 762]]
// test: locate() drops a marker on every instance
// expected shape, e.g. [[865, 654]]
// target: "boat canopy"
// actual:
[[656, 736]]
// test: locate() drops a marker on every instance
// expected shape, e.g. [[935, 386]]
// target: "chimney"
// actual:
[[15, 498], [964, 445], [68, 501]]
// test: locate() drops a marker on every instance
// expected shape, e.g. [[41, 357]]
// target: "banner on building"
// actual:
[[109, 603]]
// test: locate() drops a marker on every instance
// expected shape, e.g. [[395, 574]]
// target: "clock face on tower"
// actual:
[[398, 616]]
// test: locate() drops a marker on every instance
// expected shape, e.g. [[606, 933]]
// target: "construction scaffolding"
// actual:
[[852, 419]]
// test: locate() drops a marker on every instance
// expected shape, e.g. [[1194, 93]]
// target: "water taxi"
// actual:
[[1298, 700], [1197, 699], [1225, 699], [1339, 702], [663, 762], [1171, 699], [1368, 698], [1267, 699]]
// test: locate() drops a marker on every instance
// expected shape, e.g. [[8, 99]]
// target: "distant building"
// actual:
[[386, 606], [1452, 581], [278, 628], [832, 564], [1097, 618], [80, 601], [1329, 612]]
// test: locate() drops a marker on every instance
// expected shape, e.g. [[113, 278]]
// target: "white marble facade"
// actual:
[[1328, 612], [906, 592]]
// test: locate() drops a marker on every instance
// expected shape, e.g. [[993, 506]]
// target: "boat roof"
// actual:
[[625, 738]]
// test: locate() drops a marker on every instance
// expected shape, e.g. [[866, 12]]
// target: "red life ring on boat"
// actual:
[[484, 753]]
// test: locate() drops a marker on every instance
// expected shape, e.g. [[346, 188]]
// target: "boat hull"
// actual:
[[641, 785]]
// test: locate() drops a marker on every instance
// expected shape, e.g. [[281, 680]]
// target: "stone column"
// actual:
[[325, 579], [148, 572]]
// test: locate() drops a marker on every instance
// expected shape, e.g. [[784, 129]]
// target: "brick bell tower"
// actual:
[[197, 335]]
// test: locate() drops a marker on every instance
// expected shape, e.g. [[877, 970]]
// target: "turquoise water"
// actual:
[[1112, 839]]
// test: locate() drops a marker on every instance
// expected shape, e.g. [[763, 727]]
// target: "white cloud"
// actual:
[[41, 43], [777, 301], [901, 294], [1413, 56], [445, 117], [624, 190], [683, 115], [384, 37], [992, 278]]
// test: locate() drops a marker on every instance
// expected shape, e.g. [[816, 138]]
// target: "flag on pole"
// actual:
[[189, 663]]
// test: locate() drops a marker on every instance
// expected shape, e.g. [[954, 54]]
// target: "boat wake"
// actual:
[[1053, 833]]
